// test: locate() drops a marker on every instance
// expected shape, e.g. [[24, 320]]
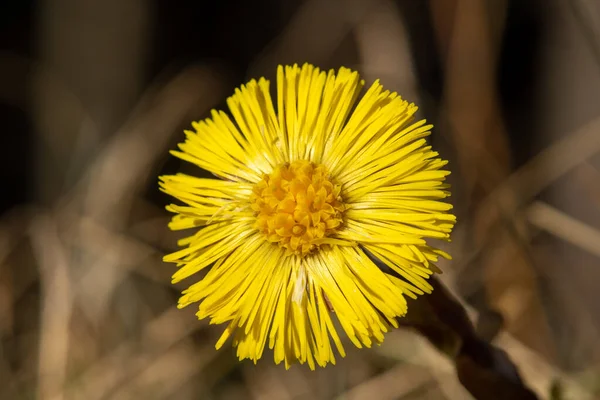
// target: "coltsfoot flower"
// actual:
[[308, 193]]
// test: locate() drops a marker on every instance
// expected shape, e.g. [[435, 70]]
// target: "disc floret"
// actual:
[[298, 206]]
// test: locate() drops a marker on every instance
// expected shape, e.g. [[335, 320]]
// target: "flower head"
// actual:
[[320, 210]]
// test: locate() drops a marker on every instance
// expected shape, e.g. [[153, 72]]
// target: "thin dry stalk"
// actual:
[[540, 374], [115, 370], [569, 229], [413, 349], [394, 383], [116, 177], [548, 166], [57, 306]]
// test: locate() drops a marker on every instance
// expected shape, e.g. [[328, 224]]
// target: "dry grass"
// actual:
[[86, 306]]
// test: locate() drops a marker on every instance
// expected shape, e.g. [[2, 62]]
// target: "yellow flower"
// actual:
[[321, 213]]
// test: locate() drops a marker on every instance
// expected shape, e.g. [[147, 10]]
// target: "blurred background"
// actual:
[[94, 93]]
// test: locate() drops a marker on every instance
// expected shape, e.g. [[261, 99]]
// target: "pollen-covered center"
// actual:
[[297, 206]]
